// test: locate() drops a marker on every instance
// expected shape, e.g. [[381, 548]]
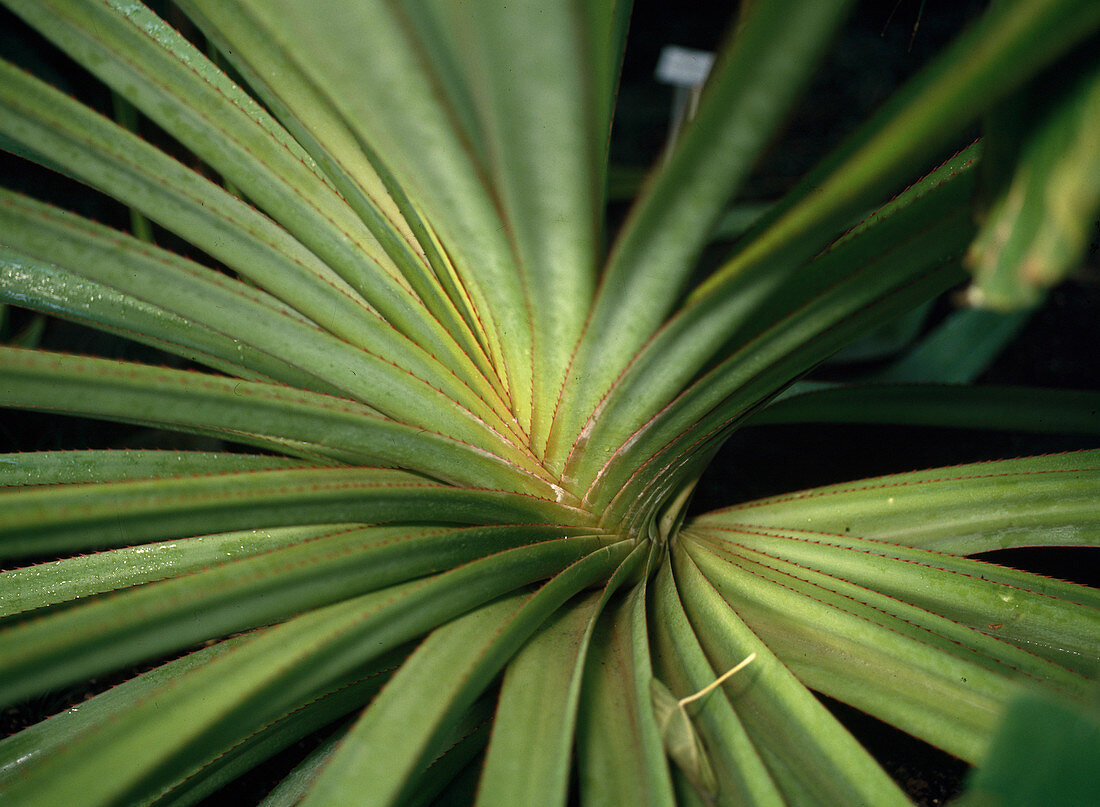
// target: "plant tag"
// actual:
[[683, 67], [686, 70]]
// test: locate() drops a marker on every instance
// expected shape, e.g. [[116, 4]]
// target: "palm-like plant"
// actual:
[[480, 431]]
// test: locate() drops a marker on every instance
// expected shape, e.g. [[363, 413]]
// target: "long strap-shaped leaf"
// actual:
[[332, 426], [456, 749], [938, 356], [758, 77], [158, 70], [680, 460], [891, 260], [31, 587], [98, 151], [249, 317], [153, 745], [1047, 618], [531, 750], [810, 755], [393, 106], [69, 467], [425, 699], [194, 301], [964, 509], [1004, 48], [992, 58], [742, 776], [162, 617], [529, 81], [337, 705], [49, 289], [1029, 241], [438, 682], [947, 684], [897, 259], [295, 785], [116, 161], [165, 72], [215, 768], [355, 172], [619, 754], [75, 517], [38, 741], [608, 22]]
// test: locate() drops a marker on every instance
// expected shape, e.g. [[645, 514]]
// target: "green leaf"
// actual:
[[294, 787], [528, 80], [1000, 51], [75, 467], [376, 365], [462, 746], [1045, 752], [742, 777], [74, 517], [990, 59], [530, 752], [70, 773], [366, 185], [811, 757], [958, 350], [236, 410], [619, 754], [59, 581], [1040, 228], [992, 56], [157, 742], [926, 674], [45, 287], [1026, 617], [158, 70], [268, 741], [39, 741], [541, 688], [429, 691], [36, 743], [1036, 501], [104, 155], [761, 72], [395, 109], [438, 683], [494, 470], [608, 22], [774, 328], [266, 587]]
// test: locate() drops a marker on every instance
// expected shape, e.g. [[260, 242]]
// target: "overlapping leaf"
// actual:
[[465, 428]]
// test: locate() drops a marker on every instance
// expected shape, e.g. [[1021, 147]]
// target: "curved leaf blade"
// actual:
[[760, 73], [541, 687], [75, 517], [811, 757], [236, 410], [965, 509]]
